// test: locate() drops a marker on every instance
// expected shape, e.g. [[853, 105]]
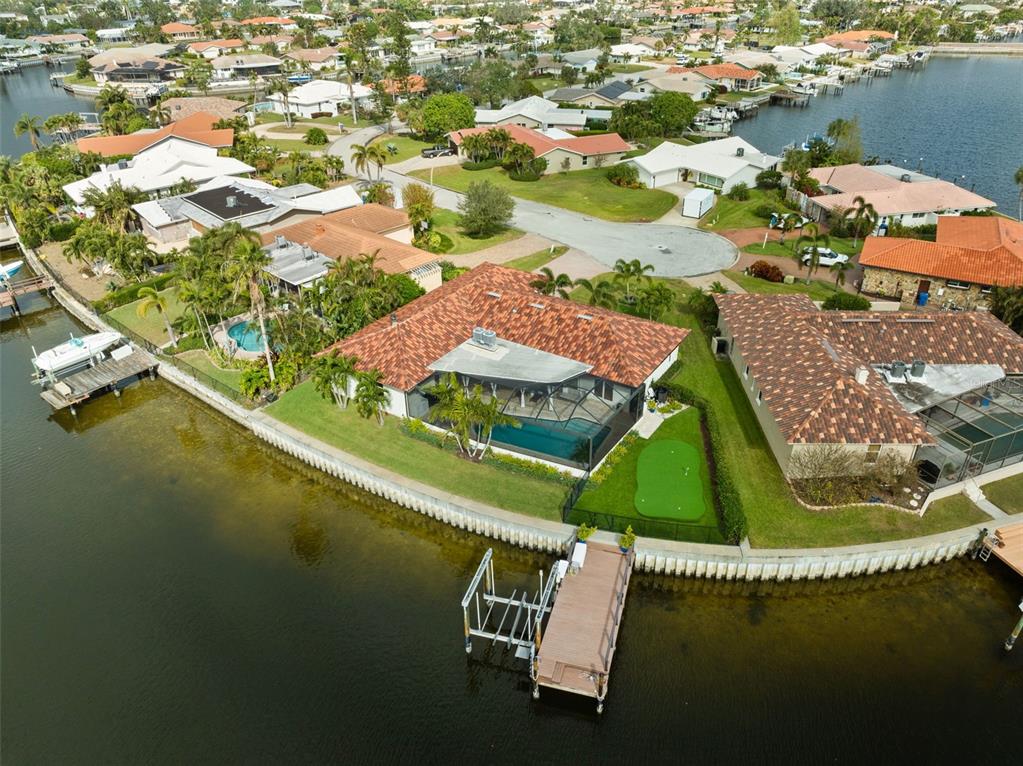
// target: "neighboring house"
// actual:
[[693, 85], [198, 129], [211, 49], [718, 164], [66, 43], [533, 112], [113, 35], [180, 33], [633, 51], [320, 97], [731, 77], [862, 42], [158, 168], [422, 46], [383, 232], [412, 85], [127, 67], [184, 107], [562, 151], [241, 67], [971, 255], [898, 195], [252, 204], [270, 21], [609, 95], [550, 362], [280, 43], [316, 59], [941, 389], [584, 60]]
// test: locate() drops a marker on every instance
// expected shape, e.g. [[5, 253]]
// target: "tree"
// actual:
[[1007, 304], [315, 137], [485, 208], [30, 124], [280, 85], [151, 300], [364, 157], [470, 416], [378, 192], [847, 146], [445, 112], [82, 68], [627, 271], [547, 283], [112, 94], [788, 223], [602, 293], [419, 205], [1018, 179], [568, 75], [863, 218], [332, 376], [655, 299], [816, 242], [199, 74], [490, 82], [245, 269], [838, 268], [113, 206], [674, 112], [633, 120], [371, 398], [785, 22]]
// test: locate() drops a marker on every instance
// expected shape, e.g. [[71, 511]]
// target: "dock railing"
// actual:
[[621, 586]]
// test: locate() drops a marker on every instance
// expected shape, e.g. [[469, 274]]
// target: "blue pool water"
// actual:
[[558, 439], [248, 337]]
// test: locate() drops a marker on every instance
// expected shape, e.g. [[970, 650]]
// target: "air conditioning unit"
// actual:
[[484, 338], [905, 178], [231, 201], [740, 152], [281, 242]]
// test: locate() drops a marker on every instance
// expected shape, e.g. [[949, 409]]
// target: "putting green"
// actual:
[[668, 483]]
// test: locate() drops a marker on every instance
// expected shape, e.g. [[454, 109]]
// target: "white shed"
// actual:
[[697, 203]]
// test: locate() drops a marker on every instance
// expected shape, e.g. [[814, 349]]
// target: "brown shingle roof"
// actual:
[[804, 363], [619, 347]]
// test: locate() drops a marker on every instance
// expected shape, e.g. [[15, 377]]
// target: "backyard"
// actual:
[[584, 191], [1007, 494], [200, 360], [817, 289], [389, 447], [151, 326], [739, 214], [405, 147], [448, 224]]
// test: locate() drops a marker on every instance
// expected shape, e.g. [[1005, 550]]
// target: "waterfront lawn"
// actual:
[[616, 494], [151, 326], [390, 448], [407, 147], [199, 359], [536, 260], [817, 290], [957, 507], [584, 191], [1007, 494], [448, 223], [733, 214]]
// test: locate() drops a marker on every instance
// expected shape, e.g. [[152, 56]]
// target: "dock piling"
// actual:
[[1011, 640]]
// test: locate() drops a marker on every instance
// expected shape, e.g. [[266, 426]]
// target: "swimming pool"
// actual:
[[565, 440], [247, 336]]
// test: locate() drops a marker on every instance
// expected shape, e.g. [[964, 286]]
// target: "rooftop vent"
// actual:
[[898, 369], [536, 305], [122, 164], [740, 151], [585, 317], [231, 201], [308, 253], [484, 338], [493, 294], [905, 178], [281, 242], [917, 368]]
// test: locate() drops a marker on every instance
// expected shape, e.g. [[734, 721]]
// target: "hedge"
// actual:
[[130, 293], [482, 165]]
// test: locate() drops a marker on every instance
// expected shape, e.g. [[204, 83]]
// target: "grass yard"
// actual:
[[265, 118], [151, 326], [407, 147], [643, 476], [447, 223], [584, 191], [732, 214], [1007, 494], [390, 448], [199, 359], [630, 68], [544, 84], [838, 244], [817, 289], [536, 260], [295, 145]]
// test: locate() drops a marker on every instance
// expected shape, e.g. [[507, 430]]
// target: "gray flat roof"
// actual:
[[295, 264], [510, 362], [941, 382]]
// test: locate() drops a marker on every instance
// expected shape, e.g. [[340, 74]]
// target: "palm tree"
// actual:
[[360, 157], [150, 299], [30, 124], [364, 156], [245, 266], [863, 216], [549, 284], [601, 294], [627, 271], [1018, 178], [282, 86], [788, 223], [110, 95], [371, 398], [838, 268], [190, 294], [488, 414], [817, 242], [113, 205], [332, 375]]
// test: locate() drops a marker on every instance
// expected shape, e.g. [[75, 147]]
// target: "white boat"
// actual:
[[8, 270], [76, 353]]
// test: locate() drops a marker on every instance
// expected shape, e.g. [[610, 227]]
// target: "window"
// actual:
[[873, 450], [985, 290], [586, 160], [955, 284], [919, 215], [760, 396], [745, 373]]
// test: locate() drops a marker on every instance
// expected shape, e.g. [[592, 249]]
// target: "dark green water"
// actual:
[[174, 592]]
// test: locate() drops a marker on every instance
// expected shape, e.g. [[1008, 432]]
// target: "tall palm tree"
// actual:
[[547, 283], [817, 242], [863, 216], [360, 157], [30, 124], [112, 94], [190, 294], [371, 398], [365, 156], [332, 376], [602, 293], [788, 223], [113, 205], [282, 86], [838, 269], [1018, 178], [151, 300], [245, 266]]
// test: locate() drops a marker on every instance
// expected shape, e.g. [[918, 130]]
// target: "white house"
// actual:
[[718, 164], [632, 51], [240, 67], [533, 112], [422, 46], [319, 97]]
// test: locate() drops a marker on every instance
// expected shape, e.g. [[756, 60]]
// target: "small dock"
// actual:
[[9, 291], [1006, 543], [790, 98], [109, 375]]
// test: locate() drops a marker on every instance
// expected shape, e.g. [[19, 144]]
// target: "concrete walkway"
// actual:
[[706, 280], [502, 253]]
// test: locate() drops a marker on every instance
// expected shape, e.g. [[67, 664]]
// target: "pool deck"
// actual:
[[230, 346]]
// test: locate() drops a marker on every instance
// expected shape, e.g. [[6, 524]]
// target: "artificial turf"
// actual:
[[668, 484]]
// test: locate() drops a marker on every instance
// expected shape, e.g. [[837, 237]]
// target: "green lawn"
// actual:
[[151, 326], [957, 507], [732, 214], [199, 359], [387, 446], [630, 68], [1007, 494], [817, 290], [543, 84], [74, 79], [537, 259], [585, 191], [785, 250], [447, 223], [264, 118], [616, 494], [295, 145], [407, 147]]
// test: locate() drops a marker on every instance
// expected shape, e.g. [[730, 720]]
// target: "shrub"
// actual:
[[449, 271], [585, 532], [62, 231], [765, 210], [624, 175], [130, 293], [316, 137], [839, 226], [481, 165], [613, 458], [739, 192], [406, 288], [768, 179], [766, 271], [840, 301], [628, 538], [531, 172]]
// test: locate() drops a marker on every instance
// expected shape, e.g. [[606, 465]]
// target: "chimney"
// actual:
[[231, 201], [861, 375], [740, 151], [394, 319]]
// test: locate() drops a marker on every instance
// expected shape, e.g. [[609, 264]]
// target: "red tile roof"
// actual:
[[176, 27], [619, 347], [858, 36], [416, 83], [720, 71], [201, 46], [197, 127], [804, 362], [605, 143], [259, 20]]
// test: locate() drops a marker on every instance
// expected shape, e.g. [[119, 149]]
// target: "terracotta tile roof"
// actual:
[[541, 144], [416, 84], [201, 46], [339, 236], [379, 219], [859, 36], [889, 195], [720, 71], [313, 55], [197, 128], [275, 39], [620, 348], [176, 28], [984, 250], [804, 362], [259, 20], [220, 108]]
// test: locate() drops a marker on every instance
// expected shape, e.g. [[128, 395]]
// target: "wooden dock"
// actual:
[[1007, 544], [579, 643], [109, 375], [10, 291]]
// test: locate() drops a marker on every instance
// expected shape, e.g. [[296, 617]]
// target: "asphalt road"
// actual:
[[673, 251]]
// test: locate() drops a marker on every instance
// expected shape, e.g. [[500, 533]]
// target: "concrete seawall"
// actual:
[[977, 49]]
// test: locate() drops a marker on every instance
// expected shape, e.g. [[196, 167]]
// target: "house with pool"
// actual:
[[575, 377]]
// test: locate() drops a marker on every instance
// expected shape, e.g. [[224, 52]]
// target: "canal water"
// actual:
[[173, 591], [30, 91], [959, 119]]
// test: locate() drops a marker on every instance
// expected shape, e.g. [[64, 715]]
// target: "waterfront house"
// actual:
[[197, 129], [241, 67], [211, 49], [698, 88], [898, 195], [971, 255], [383, 232], [114, 35], [574, 376], [318, 98], [728, 76], [610, 95], [718, 164], [562, 151], [179, 32], [862, 43], [69, 43], [533, 112], [316, 59], [179, 108], [157, 168], [940, 389], [251, 203], [127, 66], [422, 46]]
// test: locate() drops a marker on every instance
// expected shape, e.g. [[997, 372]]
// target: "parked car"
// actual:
[[440, 150], [827, 257], [777, 219]]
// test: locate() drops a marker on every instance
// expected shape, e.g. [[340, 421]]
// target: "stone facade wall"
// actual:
[[900, 285]]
